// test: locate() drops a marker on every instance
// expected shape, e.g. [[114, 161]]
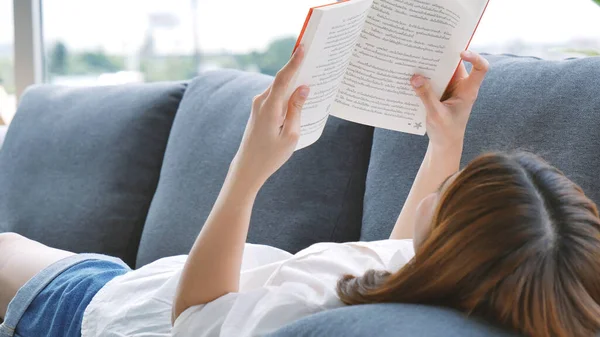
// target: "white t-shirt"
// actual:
[[276, 288]]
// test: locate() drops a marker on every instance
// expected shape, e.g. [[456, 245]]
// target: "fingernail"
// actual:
[[299, 49], [467, 53], [418, 81], [304, 91]]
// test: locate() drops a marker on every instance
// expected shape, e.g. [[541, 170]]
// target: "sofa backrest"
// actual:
[[551, 108], [79, 166], [86, 141], [317, 196]]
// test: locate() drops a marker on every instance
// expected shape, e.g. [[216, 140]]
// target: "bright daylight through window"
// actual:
[[121, 41], [7, 88]]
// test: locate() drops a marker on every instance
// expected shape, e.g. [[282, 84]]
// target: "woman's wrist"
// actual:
[[240, 181], [236, 196], [448, 149], [445, 157]]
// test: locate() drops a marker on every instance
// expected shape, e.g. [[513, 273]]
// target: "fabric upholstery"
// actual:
[[79, 166], [389, 320], [551, 108], [316, 196]]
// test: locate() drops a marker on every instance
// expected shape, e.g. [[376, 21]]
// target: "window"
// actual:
[[117, 41], [7, 83], [549, 29]]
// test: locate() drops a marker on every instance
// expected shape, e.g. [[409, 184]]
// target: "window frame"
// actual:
[[28, 44]]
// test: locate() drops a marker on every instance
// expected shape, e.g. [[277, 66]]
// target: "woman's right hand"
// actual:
[[273, 129], [447, 118]]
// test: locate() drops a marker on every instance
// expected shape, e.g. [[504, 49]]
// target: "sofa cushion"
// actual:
[[79, 166], [317, 196], [389, 320], [548, 107]]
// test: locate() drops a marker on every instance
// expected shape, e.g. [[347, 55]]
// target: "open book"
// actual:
[[361, 54]]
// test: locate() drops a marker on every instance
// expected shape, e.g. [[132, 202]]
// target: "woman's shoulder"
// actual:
[[260, 255], [387, 254], [382, 246]]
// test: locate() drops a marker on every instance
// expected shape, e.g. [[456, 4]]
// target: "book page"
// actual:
[[402, 38], [329, 39]]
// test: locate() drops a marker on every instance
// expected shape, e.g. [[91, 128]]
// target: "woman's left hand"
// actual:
[[447, 118], [273, 129]]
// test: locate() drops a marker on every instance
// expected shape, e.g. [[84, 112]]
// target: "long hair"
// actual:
[[514, 241]]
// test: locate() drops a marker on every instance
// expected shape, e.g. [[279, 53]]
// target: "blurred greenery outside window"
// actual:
[[63, 62], [68, 62], [72, 65]]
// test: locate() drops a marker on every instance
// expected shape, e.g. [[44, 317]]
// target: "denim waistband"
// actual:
[[33, 287]]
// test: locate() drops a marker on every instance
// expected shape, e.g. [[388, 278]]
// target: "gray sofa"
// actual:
[[132, 171]]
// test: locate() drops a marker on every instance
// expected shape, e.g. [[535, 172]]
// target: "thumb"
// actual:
[[423, 89], [291, 126]]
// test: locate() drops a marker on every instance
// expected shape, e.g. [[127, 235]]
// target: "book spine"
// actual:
[[299, 40], [473, 35]]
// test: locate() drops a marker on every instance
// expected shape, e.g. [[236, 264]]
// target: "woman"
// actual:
[[509, 238]]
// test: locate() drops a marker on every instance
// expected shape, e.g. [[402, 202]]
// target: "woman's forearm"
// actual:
[[438, 164], [213, 266]]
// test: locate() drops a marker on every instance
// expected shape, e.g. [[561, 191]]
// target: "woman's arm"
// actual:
[[446, 125], [213, 266], [437, 165]]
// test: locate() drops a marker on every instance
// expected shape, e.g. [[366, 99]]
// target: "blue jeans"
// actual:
[[53, 302]]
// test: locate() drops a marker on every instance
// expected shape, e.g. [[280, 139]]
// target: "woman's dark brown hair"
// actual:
[[514, 241]]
